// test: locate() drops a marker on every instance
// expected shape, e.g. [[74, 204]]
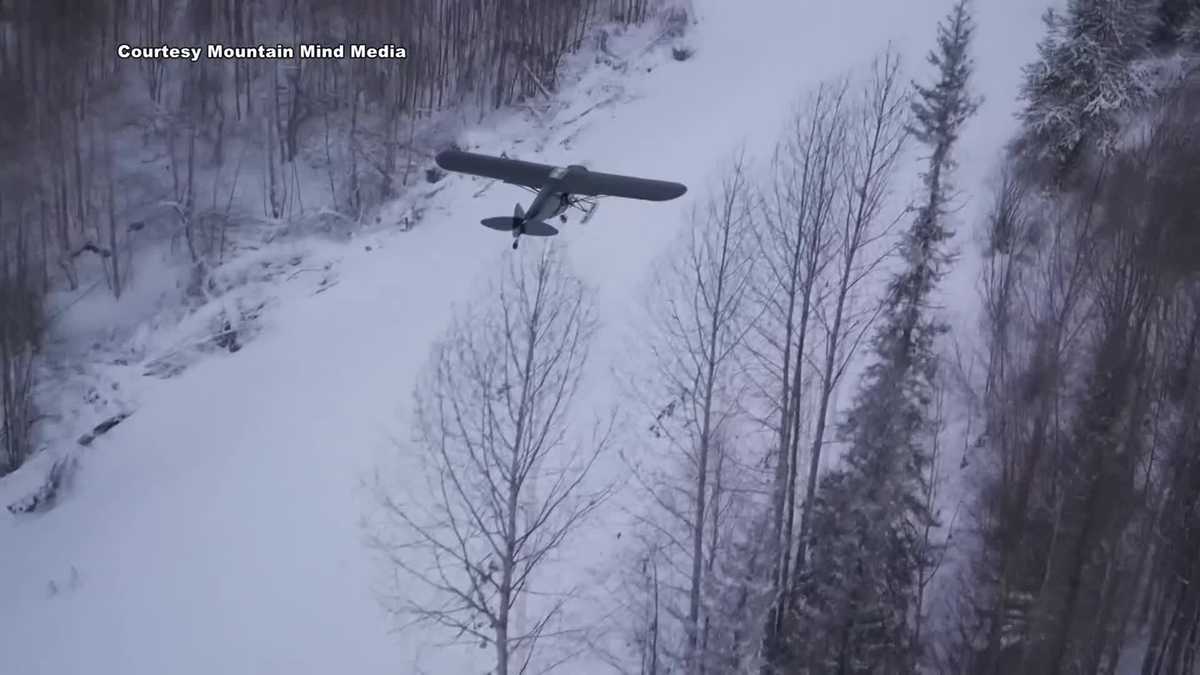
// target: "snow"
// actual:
[[217, 529]]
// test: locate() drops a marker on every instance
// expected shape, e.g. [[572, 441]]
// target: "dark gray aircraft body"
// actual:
[[557, 188]]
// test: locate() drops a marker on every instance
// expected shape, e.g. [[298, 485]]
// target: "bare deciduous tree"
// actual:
[[492, 422], [821, 217], [874, 141], [21, 327], [699, 316], [794, 236]]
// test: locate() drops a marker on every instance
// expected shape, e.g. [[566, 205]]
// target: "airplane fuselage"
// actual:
[[551, 200]]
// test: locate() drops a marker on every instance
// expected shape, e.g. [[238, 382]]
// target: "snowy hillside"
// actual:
[[217, 529]]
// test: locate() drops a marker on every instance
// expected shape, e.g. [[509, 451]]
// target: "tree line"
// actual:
[[1084, 520]]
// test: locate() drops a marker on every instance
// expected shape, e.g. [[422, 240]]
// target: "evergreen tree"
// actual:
[[1190, 33], [858, 595], [1171, 21], [1083, 76]]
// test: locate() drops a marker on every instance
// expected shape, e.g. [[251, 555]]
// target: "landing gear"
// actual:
[[515, 244], [562, 218], [589, 212]]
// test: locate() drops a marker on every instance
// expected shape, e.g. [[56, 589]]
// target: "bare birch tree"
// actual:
[[22, 322], [875, 139], [794, 239], [493, 419], [699, 319], [821, 216]]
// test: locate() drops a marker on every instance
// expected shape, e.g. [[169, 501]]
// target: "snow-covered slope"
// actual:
[[217, 529]]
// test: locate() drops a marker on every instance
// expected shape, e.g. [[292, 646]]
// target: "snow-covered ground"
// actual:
[[216, 530]]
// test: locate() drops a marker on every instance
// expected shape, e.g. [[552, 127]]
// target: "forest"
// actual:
[[1020, 495]]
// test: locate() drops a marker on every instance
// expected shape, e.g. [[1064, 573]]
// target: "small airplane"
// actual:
[[558, 188]]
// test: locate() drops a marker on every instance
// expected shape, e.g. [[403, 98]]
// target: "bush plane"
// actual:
[[557, 189]]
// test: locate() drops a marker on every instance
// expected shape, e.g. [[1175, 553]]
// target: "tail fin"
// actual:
[[518, 213]]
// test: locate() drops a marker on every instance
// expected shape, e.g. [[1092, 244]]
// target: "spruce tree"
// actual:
[[858, 595], [1170, 21], [1190, 33], [1082, 77]]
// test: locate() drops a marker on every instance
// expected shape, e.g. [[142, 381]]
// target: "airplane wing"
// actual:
[[580, 181], [514, 171]]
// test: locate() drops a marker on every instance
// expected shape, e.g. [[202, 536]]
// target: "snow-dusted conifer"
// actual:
[[1083, 77], [1170, 19], [1191, 29], [859, 592]]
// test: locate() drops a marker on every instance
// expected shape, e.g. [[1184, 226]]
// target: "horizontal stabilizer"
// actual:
[[502, 223], [534, 228]]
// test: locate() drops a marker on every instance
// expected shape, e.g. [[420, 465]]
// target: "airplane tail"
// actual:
[[504, 223]]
